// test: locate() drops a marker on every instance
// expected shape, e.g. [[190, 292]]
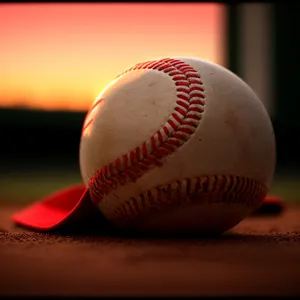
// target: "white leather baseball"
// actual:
[[177, 145]]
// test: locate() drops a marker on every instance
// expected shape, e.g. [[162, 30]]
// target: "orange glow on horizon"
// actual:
[[61, 56]]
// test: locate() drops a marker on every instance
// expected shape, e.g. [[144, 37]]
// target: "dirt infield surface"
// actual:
[[260, 256]]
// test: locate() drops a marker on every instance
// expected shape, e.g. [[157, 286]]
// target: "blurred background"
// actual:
[[56, 58]]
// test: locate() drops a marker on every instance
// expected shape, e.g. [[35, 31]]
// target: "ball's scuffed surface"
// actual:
[[177, 145]]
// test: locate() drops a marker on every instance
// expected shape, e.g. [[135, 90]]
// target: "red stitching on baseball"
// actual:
[[87, 122], [86, 125], [205, 189], [180, 125]]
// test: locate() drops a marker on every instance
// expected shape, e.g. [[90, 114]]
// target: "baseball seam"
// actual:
[[88, 121], [180, 125], [205, 189]]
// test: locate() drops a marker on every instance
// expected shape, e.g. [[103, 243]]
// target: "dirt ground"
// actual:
[[260, 256]]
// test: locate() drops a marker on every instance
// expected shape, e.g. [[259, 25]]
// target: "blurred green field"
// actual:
[[26, 187]]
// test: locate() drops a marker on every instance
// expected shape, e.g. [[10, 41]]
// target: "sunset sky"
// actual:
[[60, 56]]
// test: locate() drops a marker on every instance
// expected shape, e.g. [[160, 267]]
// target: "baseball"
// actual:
[[177, 145]]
